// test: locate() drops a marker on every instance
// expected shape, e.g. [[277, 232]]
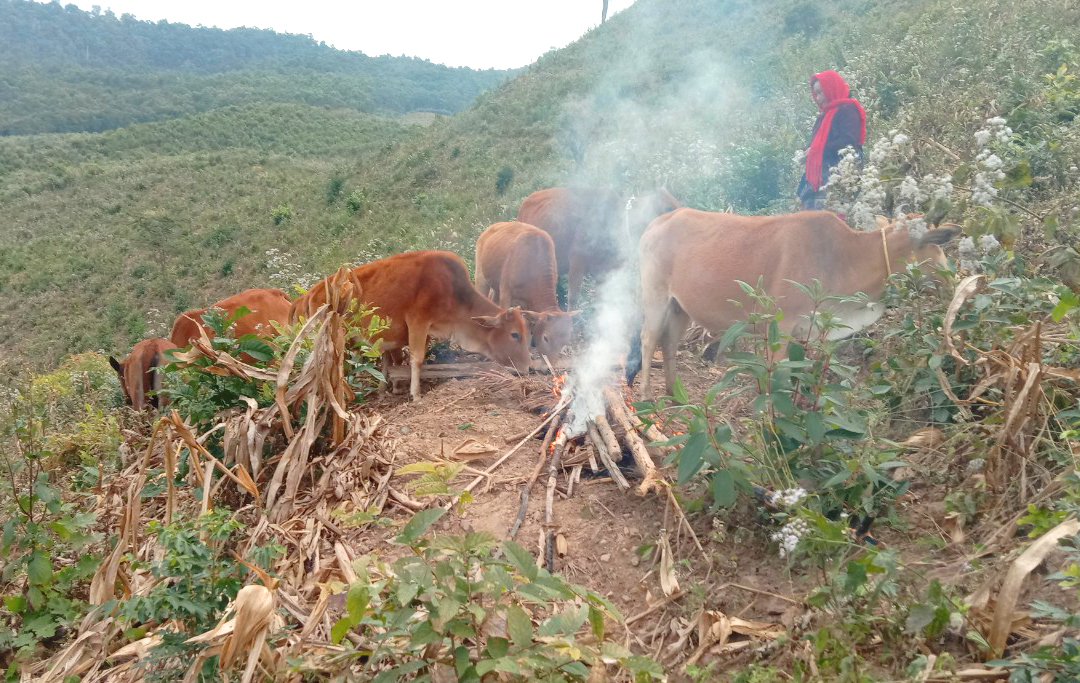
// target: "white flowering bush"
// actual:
[[286, 273]]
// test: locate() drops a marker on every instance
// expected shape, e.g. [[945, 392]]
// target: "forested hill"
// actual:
[[66, 70], [105, 237]]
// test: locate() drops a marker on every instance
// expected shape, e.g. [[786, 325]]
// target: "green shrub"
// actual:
[[356, 201], [503, 178], [435, 609], [281, 213]]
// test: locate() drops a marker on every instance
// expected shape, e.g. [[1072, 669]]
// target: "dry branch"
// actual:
[[650, 477]]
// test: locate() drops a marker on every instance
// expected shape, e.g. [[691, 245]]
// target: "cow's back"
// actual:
[[433, 286], [699, 256], [266, 306], [518, 260], [572, 215]]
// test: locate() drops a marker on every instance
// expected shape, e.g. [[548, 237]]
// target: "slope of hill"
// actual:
[[706, 97], [66, 70]]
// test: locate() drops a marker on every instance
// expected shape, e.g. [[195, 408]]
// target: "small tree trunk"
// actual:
[[603, 17]]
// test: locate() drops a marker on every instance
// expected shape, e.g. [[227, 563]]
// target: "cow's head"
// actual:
[[924, 251], [551, 330], [506, 338], [131, 372]]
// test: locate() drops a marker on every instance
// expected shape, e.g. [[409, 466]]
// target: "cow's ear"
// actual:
[[116, 365], [940, 236], [486, 320]]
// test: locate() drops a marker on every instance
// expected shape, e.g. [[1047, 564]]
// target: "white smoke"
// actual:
[[610, 329]]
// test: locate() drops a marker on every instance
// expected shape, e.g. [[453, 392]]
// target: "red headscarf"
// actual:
[[836, 94]]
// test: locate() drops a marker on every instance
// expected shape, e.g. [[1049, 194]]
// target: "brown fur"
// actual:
[[311, 300], [138, 373], [587, 225], [266, 306], [690, 261], [515, 265], [427, 294]]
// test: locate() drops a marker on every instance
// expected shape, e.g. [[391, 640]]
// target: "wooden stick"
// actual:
[[650, 477], [527, 486], [549, 510], [607, 434], [558, 409], [575, 476], [601, 450]]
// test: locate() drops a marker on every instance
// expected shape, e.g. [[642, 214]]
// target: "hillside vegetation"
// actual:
[[708, 98], [902, 505], [66, 70]]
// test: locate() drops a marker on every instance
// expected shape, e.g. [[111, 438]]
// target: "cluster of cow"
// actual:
[[690, 264], [428, 294]]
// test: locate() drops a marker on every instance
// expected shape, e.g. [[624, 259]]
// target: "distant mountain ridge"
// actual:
[[66, 70]]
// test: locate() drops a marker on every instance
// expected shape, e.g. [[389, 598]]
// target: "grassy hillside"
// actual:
[[709, 98], [65, 70]]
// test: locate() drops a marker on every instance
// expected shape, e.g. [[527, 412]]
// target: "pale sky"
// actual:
[[477, 33]]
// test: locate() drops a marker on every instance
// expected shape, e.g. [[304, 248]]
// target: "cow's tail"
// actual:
[[633, 356]]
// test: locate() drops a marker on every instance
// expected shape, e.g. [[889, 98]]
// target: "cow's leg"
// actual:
[[483, 286], [574, 278], [675, 326], [418, 337], [386, 386], [652, 331]]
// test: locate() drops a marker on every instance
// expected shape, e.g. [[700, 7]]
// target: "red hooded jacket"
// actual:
[[842, 123]]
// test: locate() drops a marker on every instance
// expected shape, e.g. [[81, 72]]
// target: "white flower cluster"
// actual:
[[157, 323], [788, 497], [970, 255], [789, 535], [989, 164], [910, 198], [937, 187], [284, 272]]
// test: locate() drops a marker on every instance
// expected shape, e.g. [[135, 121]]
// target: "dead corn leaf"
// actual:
[[928, 438], [1014, 580], [244, 634], [669, 582], [471, 449], [968, 287]]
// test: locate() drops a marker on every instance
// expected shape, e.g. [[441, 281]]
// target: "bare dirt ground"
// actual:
[[611, 536]]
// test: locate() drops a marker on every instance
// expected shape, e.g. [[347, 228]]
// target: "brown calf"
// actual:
[[515, 266], [428, 294], [590, 227], [138, 373]]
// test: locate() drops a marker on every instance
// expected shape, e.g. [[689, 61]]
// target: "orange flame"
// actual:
[[557, 385], [558, 435]]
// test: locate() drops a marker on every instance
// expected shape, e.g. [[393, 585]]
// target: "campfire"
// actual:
[[595, 428]]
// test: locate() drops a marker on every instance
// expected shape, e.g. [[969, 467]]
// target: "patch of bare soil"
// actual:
[[613, 538]]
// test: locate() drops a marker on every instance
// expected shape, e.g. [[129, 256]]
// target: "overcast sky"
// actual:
[[477, 33]]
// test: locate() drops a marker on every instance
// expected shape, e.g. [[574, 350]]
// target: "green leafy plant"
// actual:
[[453, 606], [809, 416], [45, 539]]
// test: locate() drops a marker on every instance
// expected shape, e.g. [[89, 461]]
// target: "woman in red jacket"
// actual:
[[842, 123]]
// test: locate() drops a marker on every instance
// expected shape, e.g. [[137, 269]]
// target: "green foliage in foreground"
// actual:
[[454, 604]]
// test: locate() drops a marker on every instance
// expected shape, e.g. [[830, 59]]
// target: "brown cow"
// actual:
[[138, 373], [515, 266], [428, 294], [690, 261], [266, 306], [588, 225]]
